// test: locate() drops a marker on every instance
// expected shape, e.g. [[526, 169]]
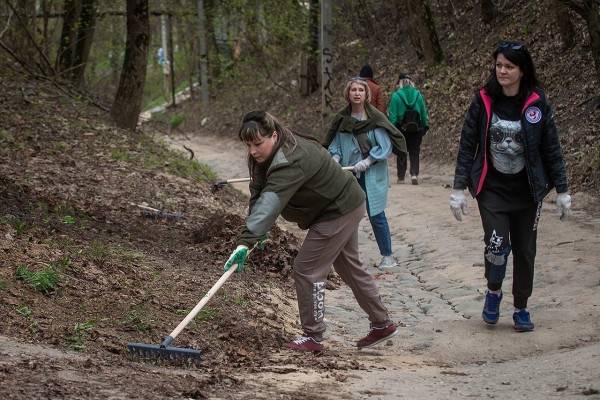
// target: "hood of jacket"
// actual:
[[409, 95]]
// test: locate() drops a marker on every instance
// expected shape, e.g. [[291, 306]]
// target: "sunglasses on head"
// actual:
[[511, 45]]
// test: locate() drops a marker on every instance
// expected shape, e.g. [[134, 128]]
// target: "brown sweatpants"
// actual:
[[334, 242]]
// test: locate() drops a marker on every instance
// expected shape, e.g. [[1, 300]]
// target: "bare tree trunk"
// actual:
[[164, 37], [414, 28], [431, 43], [309, 77], [262, 23], [171, 58], [85, 37], [422, 32], [45, 37], [488, 11], [589, 10], [185, 32], [26, 11], [565, 26], [203, 50], [326, 62], [68, 37], [593, 23], [128, 100]]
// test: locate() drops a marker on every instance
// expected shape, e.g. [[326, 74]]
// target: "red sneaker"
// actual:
[[377, 335], [305, 343]]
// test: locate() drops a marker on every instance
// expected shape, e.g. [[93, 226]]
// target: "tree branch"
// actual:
[[17, 59], [30, 37], [7, 24]]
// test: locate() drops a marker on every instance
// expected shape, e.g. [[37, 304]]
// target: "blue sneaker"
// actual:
[[522, 321], [491, 308]]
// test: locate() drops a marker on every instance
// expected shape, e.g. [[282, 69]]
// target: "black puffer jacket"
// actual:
[[543, 157]]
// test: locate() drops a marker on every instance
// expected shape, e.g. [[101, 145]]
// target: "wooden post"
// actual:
[[202, 49], [326, 62], [164, 39], [171, 60]]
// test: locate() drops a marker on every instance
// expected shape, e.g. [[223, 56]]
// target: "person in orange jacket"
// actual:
[[366, 73]]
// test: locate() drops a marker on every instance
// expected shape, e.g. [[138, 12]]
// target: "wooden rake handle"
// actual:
[[192, 314]]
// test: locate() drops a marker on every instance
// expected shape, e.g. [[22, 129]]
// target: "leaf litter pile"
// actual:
[[107, 237]]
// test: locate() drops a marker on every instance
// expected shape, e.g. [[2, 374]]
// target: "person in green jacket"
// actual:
[[408, 112], [296, 178]]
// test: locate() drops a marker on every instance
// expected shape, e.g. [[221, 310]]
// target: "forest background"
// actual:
[[242, 54], [86, 266]]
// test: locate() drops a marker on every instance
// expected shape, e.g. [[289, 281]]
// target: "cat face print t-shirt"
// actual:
[[506, 187]]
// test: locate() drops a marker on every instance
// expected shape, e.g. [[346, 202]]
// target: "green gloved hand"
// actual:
[[237, 257], [262, 242]]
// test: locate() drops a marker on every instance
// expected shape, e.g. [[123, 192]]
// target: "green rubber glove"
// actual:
[[237, 257]]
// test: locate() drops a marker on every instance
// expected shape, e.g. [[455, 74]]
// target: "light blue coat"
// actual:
[[346, 147]]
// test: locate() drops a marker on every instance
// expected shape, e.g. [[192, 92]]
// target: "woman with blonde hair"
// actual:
[[361, 136]]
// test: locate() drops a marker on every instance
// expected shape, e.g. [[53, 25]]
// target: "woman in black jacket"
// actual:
[[509, 158]]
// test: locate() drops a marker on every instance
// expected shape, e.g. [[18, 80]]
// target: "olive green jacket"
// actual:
[[303, 184]]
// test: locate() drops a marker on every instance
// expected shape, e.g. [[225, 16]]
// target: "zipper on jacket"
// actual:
[[527, 168]]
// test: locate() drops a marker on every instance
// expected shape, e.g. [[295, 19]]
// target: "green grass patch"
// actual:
[[176, 120], [153, 154], [138, 319], [62, 263], [5, 136], [190, 169], [68, 220], [18, 224], [127, 256], [80, 334], [44, 281], [59, 147], [24, 311], [121, 155], [206, 314], [241, 301], [98, 252]]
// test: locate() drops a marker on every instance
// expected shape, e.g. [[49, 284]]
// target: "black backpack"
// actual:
[[411, 123]]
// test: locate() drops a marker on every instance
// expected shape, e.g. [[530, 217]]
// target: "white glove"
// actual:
[[563, 203], [362, 165], [336, 158], [458, 204]]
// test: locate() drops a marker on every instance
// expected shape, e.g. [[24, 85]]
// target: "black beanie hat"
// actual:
[[366, 71]]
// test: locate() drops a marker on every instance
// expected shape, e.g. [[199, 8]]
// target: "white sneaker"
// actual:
[[414, 180], [387, 262]]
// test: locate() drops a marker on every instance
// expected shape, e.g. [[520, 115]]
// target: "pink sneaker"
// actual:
[[377, 335], [305, 343]]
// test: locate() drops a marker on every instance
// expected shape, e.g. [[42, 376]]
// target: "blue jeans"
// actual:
[[379, 224]]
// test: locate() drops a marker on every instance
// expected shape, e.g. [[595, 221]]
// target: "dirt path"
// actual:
[[436, 294]]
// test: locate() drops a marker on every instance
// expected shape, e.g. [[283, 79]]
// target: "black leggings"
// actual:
[[413, 145], [503, 231]]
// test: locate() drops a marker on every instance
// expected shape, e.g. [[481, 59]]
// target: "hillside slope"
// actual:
[[85, 270]]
